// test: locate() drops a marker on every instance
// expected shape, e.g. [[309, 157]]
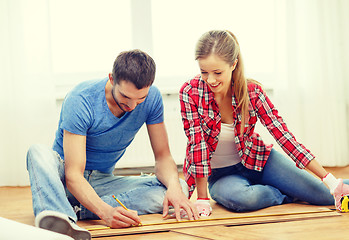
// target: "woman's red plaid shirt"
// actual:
[[202, 125]]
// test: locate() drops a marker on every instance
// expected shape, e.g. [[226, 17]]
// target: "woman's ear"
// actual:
[[234, 64]]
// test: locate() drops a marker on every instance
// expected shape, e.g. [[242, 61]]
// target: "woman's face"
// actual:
[[217, 73]]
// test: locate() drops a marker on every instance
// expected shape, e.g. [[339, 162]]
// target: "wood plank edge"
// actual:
[[225, 222]]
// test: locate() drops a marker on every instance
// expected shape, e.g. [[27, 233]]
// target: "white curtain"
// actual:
[[27, 100], [314, 94]]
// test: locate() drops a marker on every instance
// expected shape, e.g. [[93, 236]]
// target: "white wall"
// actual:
[[26, 92], [37, 68]]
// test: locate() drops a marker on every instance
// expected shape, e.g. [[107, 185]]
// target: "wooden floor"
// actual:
[[15, 204]]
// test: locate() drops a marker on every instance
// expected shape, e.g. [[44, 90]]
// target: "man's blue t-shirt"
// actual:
[[85, 112]]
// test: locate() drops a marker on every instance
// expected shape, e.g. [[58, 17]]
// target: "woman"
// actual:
[[220, 108]]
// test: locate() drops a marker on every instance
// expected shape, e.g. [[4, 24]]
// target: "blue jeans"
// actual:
[[145, 193], [281, 181]]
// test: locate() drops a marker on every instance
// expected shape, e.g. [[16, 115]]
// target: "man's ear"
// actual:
[[111, 79]]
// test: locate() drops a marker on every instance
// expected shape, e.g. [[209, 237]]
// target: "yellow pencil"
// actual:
[[103, 228], [97, 228], [122, 205]]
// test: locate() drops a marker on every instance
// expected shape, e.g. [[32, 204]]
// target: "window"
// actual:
[[177, 25], [86, 36]]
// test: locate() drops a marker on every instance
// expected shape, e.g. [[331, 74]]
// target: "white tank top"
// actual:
[[226, 153]]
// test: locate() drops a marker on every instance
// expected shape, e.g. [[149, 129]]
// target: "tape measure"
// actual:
[[344, 204]]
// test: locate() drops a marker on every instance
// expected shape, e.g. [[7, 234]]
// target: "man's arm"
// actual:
[[166, 172], [75, 160]]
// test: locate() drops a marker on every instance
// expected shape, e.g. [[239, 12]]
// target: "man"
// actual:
[[98, 121]]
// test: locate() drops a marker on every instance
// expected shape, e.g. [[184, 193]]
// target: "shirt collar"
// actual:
[[209, 97]]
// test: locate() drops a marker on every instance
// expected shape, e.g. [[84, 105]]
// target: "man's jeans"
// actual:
[[241, 189], [145, 194]]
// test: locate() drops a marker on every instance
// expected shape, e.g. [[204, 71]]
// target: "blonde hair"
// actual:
[[225, 45]]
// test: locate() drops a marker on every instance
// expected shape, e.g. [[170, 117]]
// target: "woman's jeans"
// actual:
[[241, 189], [145, 194]]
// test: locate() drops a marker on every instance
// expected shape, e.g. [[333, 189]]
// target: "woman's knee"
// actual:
[[237, 204], [238, 200], [248, 198]]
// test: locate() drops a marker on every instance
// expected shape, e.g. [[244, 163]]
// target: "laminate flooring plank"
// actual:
[[155, 236], [221, 233], [236, 221], [221, 213], [317, 228]]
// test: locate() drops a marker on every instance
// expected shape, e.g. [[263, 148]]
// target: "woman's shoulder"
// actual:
[[254, 87], [252, 84], [191, 84]]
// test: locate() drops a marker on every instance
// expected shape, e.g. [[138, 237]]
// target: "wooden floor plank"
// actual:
[[221, 233], [320, 229], [155, 236], [16, 204], [180, 228], [220, 216]]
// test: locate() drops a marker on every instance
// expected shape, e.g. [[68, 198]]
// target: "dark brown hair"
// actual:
[[134, 66]]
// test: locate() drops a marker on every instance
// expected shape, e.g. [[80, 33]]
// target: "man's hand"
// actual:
[[180, 202], [203, 206], [121, 218]]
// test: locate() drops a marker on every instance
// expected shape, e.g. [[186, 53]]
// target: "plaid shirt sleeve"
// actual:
[[270, 118], [197, 153]]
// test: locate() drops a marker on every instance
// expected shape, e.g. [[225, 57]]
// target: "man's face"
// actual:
[[127, 96]]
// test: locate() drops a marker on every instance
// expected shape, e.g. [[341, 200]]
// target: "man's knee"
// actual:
[[41, 156], [153, 201], [184, 186], [32, 152]]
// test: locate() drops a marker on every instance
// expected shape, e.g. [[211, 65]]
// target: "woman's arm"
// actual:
[[331, 181], [270, 118], [315, 167], [197, 154], [201, 184], [203, 202]]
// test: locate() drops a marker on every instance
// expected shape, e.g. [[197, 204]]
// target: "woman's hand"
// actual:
[[340, 191], [203, 206]]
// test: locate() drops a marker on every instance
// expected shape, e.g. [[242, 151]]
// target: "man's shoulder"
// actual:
[[89, 86], [154, 90], [88, 91], [153, 94]]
